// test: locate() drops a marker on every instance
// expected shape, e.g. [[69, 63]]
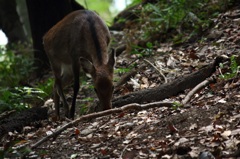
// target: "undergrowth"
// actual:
[[233, 70], [177, 21], [16, 65]]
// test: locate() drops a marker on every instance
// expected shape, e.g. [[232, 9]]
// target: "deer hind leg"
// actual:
[[76, 86], [66, 79]]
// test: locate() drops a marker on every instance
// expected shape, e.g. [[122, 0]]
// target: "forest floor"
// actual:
[[208, 127]]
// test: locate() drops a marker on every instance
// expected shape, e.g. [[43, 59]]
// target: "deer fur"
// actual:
[[80, 40]]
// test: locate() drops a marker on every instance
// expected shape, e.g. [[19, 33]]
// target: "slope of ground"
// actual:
[[208, 127]]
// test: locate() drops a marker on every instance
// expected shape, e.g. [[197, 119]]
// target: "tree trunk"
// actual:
[[10, 22], [23, 14]]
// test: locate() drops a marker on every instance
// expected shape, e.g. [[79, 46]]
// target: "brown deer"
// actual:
[[80, 39]]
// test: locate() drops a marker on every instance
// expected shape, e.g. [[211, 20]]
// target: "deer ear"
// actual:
[[112, 58], [87, 66]]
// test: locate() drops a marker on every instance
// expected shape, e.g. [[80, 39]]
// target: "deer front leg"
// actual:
[[56, 100]]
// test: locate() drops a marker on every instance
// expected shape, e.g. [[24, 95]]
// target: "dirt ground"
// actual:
[[207, 127]]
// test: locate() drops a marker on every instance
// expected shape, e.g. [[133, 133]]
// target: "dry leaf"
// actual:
[[226, 134]]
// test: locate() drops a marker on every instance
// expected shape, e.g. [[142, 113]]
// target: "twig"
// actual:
[[207, 81], [122, 153], [127, 77], [133, 106], [196, 89], [160, 72]]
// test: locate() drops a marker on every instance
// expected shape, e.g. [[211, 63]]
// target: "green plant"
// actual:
[[102, 8], [19, 98], [183, 19], [84, 107], [121, 70], [46, 87], [176, 105], [141, 51], [12, 150], [134, 2], [15, 66], [234, 69], [159, 18], [168, 15]]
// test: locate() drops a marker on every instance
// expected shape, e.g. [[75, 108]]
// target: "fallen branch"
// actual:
[[205, 82], [133, 106], [196, 89]]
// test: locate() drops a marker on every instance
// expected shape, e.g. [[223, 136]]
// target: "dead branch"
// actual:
[[205, 82], [196, 89], [133, 106]]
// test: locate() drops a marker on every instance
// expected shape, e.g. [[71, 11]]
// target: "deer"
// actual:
[[80, 41]]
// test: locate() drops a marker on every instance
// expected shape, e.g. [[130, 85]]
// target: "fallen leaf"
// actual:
[[193, 126], [74, 156], [172, 128], [206, 155], [226, 134], [77, 131], [181, 141], [207, 129], [194, 152], [222, 101], [166, 157], [103, 151], [120, 115], [235, 132]]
